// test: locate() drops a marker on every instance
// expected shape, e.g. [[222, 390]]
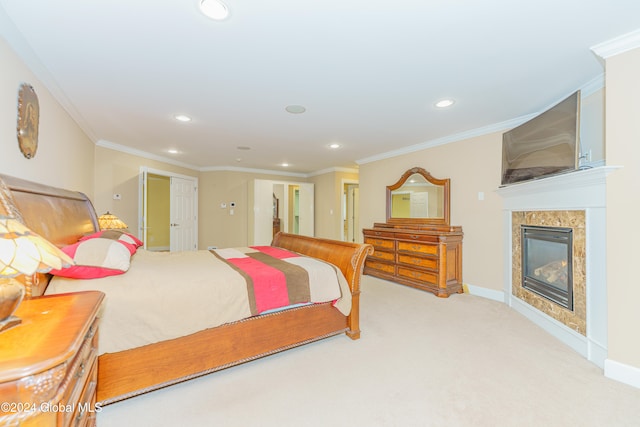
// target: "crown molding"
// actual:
[[332, 170], [250, 170], [587, 89], [592, 86], [144, 154], [449, 139], [617, 45], [133, 151], [18, 43]]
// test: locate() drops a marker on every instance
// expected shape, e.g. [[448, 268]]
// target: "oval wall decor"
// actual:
[[28, 119]]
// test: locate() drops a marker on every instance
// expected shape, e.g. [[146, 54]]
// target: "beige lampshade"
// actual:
[[24, 252], [109, 221]]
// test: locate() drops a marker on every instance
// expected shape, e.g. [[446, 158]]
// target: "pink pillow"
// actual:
[[96, 257], [129, 240]]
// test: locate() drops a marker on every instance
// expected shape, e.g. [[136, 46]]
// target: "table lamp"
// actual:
[[109, 221], [22, 252]]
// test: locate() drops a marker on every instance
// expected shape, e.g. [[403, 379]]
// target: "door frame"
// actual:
[[142, 199], [343, 208]]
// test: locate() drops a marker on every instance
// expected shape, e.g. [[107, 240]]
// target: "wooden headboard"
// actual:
[[60, 216]]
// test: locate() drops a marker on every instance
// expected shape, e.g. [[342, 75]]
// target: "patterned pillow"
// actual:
[[131, 241], [96, 257]]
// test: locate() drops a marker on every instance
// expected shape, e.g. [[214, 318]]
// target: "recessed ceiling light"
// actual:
[[335, 145], [285, 165], [295, 109], [173, 151], [214, 9], [444, 103], [183, 118]]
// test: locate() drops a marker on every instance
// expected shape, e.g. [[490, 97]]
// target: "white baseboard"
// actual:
[[627, 374], [563, 333], [589, 349], [484, 292]]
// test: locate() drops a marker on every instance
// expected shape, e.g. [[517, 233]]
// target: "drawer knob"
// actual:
[[81, 370]]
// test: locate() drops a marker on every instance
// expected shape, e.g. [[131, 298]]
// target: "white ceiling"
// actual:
[[368, 72]]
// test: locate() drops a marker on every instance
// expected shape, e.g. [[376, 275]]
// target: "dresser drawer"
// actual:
[[422, 276], [383, 255], [378, 233], [417, 237], [431, 263], [85, 410], [423, 248], [79, 376], [379, 243], [380, 266]]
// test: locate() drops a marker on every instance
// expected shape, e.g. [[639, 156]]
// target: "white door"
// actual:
[[182, 215], [262, 212], [183, 223], [306, 210], [142, 208], [419, 204]]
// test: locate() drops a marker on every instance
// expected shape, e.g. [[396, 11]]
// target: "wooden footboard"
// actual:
[[348, 257], [132, 372]]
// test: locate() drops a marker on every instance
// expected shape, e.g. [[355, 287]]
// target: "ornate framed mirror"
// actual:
[[418, 198]]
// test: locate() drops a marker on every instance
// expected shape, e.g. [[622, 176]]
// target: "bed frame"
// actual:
[[63, 216]]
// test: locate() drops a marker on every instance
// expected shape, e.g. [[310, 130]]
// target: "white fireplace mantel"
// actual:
[[579, 190], [584, 188]]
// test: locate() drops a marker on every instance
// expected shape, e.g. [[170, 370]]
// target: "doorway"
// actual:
[[168, 211], [295, 209], [350, 212]]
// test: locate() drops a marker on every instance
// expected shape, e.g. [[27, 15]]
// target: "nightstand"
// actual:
[[48, 364]]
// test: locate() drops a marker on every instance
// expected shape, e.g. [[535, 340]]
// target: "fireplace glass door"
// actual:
[[547, 263]]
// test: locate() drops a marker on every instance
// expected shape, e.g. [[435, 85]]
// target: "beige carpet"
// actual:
[[421, 361]]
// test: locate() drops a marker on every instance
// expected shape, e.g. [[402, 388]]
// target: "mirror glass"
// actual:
[[418, 198]]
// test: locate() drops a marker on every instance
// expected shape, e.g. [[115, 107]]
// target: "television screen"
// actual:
[[546, 145]]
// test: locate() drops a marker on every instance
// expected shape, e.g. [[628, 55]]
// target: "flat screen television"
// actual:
[[548, 144]]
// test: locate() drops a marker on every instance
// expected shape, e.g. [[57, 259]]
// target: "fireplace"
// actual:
[[577, 201], [547, 260]]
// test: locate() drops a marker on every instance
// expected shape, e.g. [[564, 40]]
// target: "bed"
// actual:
[[64, 217]]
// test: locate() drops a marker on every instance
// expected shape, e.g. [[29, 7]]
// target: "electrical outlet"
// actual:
[[117, 196]]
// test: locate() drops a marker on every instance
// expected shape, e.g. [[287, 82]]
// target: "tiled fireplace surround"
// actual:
[[576, 200]]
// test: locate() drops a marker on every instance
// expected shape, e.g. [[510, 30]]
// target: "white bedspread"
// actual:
[[167, 295]]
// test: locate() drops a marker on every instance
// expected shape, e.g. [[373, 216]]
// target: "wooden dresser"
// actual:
[[48, 364], [421, 256]]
